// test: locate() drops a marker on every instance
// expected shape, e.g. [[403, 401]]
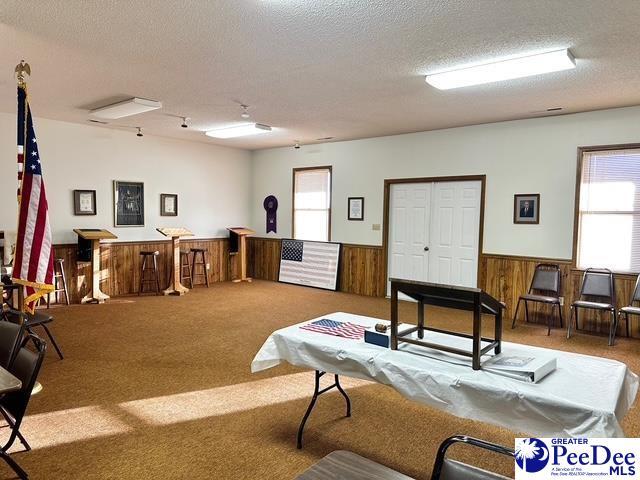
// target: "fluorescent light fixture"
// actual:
[[133, 106], [504, 70], [239, 131]]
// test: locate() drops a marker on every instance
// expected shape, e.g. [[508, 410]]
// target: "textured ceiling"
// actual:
[[311, 69]]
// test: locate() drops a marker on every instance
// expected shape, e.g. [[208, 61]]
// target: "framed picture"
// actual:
[[526, 208], [128, 204], [356, 208], [168, 204], [84, 202]]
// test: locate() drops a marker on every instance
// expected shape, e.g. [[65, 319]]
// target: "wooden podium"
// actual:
[[94, 236], [238, 246], [175, 287]]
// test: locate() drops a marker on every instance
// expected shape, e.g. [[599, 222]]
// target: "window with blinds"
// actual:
[[312, 204], [609, 211]]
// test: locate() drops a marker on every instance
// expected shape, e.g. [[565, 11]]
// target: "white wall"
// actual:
[[211, 181], [524, 156]]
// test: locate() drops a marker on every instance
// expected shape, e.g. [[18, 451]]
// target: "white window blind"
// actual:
[[609, 211], [312, 204]]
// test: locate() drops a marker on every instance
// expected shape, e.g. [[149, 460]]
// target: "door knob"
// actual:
[[426, 249]]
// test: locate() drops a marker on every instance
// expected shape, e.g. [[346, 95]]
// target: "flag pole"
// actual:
[[21, 70]]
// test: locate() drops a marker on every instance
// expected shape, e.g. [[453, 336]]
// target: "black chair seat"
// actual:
[[453, 470], [34, 320], [594, 305], [540, 298], [630, 310], [156, 253]]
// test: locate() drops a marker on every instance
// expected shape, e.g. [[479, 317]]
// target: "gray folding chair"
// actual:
[[597, 292], [544, 288], [447, 469], [631, 309]]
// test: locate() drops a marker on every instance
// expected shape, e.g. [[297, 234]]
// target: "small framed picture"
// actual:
[[84, 202], [168, 204], [526, 208], [356, 208]]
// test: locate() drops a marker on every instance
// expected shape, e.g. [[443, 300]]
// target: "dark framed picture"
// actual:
[[526, 208], [168, 204], [84, 202], [355, 208], [128, 204]]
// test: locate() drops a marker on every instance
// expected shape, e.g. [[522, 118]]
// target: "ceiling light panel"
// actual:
[[504, 70], [127, 108], [239, 131]]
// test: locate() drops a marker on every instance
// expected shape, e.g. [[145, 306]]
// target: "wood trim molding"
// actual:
[[455, 178], [564, 261], [293, 195]]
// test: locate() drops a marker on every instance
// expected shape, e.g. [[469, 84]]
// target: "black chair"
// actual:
[[33, 320], [11, 335], [544, 288], [597, 292], [446, 469], [13, 405], [630, 309]]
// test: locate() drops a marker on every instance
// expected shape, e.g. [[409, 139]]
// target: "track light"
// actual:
[[245, 113], [139, 134], [296, 145], [184, 122]]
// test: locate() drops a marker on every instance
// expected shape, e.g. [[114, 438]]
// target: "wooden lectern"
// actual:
[[175, 287], [94, 236], [238, 246]]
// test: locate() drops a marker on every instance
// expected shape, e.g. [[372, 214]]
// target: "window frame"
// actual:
[[293, 196], [576, 206]]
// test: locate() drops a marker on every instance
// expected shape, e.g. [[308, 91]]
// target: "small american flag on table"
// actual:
[[335, 328]]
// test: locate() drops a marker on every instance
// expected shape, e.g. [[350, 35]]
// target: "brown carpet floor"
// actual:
[[160, 388]]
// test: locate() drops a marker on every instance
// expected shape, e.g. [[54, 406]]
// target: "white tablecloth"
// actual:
[[584, 396]]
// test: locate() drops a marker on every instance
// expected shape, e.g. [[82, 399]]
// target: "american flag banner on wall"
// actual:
[[314, 264], [33, 261]]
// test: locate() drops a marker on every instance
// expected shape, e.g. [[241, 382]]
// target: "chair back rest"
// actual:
[[445, 469], [26, 366], [10, 339], [635, 296], [597, 283], [546, 278]]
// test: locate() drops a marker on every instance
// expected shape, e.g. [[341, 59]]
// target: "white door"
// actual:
[[455, 233], [409, 217], [434, 232]]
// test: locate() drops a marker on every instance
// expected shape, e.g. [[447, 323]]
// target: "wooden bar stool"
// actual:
[[58, 279], [149, 274], [185, 268], [202, 263]]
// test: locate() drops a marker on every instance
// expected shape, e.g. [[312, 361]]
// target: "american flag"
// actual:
[[335, 328], [314, 264], [33, 262]]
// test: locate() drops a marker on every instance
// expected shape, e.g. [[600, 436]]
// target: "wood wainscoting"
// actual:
[[120, 263], [507, 277], [361, 266]]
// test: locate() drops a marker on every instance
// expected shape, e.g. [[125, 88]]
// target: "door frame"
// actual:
[[455, 178]]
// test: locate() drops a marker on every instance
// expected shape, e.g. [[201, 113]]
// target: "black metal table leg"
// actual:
[[14, 465], [316, 393]]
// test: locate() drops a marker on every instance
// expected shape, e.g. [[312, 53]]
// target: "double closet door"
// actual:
[[434, 231]]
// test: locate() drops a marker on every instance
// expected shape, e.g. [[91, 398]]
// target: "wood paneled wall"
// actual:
[[508, 277], [360, 270], [120, 262]]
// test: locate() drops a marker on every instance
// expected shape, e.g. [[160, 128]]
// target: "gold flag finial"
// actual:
[[21, 69]]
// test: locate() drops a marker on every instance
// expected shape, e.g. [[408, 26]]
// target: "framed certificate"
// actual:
[[355, 208], [84, 202], [168, 204]]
